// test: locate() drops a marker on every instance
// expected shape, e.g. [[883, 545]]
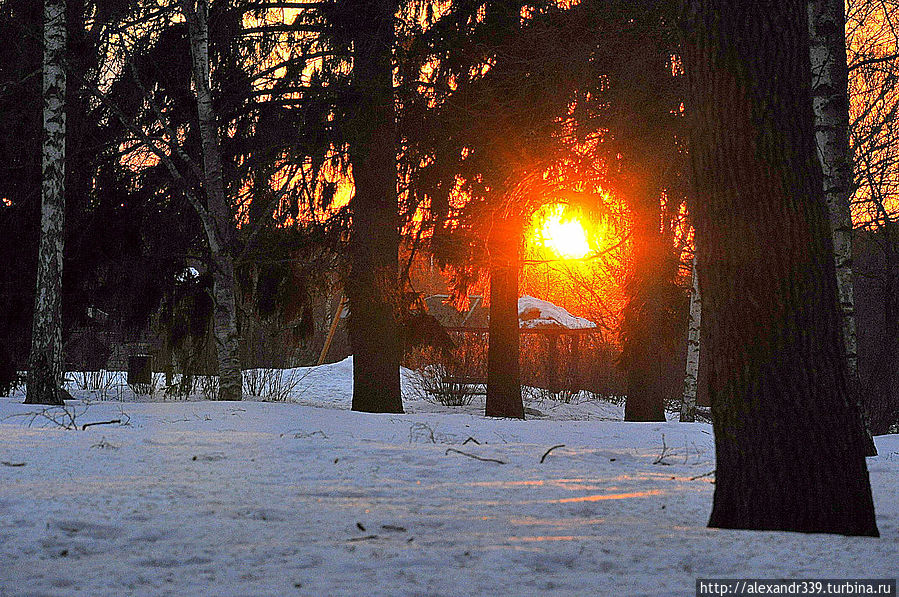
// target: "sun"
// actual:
[[562, 234]]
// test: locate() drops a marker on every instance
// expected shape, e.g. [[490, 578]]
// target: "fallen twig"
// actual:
[[471, 439], [448, 450], [366, 538], [664, 454], [711, 472], [113, 422], [5, 463], [545, 454]]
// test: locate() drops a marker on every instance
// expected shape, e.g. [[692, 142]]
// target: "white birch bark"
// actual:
[[831, 102], [830, 97], [688, 404], [46, 366], [219, 236]]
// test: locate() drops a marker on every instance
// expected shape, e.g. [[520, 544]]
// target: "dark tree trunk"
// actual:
[[882, 384], [789, 455], [503, 380], [372, 288], [643, 319]]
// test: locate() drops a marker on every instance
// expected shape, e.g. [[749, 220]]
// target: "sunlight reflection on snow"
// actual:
[[607, 496], [551, 538]]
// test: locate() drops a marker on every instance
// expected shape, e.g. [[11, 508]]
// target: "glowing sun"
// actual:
[[564, 235]]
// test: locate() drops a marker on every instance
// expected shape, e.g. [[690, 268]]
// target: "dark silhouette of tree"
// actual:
[[131, 229], [372, 286], [646, 163], [496, 121], [504, 261], [119, 242], [873, 72], [789, 452]]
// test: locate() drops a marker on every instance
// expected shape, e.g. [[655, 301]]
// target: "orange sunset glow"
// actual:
[[561, 233]]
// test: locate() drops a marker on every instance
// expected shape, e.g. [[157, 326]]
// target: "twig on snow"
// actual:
[[113, 422], [448, 450], [664, 454], [471, 439], [545, 454], [711, 472]]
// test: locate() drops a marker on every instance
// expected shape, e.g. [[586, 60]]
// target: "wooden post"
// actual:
[[336, 320], [552, 361], [574, 358]]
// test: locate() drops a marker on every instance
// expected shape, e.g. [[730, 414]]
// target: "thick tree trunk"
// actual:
[[503, 377], [787, 451], [219, 233], [830, 95], [46, 363], [372, 288], [642, 335], [688, 405]]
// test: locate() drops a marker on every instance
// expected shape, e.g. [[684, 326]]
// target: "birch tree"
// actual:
[[830, 95], [216, 214], [46, 367], [778, 380], [688, 405]]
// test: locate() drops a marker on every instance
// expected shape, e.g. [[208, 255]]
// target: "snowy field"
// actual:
[[308, 498]]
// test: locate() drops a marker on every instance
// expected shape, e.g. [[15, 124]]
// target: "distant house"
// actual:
[[533, 314], [475, 317]]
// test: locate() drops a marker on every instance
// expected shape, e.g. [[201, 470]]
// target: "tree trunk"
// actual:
[[372, 289], [688, 406], [553, 381], [830, 96], [503, 378], [787, 451], [643, 338], [219, 233], [46, 366]]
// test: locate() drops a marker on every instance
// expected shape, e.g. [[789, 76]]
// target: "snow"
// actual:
[[309, 498], [537, 313]]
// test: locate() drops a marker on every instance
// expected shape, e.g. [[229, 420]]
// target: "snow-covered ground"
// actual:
[[308, 498]]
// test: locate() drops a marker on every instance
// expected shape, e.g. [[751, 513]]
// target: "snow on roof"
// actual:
[[537, 313], [532, 313]]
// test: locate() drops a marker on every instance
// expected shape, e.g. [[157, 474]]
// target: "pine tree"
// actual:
[[503, 375], [372, 287]]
